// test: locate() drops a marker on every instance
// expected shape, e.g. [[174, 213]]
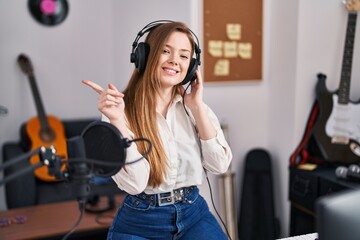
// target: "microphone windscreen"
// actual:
[[104, 142], [341, 172]]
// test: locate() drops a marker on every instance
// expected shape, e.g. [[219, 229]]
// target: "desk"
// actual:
[[52, 221], [305, 188]]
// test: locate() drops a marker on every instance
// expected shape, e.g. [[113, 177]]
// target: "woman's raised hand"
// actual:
[[110, 101], [195, 98]]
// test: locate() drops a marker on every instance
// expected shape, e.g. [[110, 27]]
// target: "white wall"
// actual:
[[307, 37], [300, 38]]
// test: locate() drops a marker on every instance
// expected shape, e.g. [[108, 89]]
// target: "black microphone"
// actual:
[[351, 173], [78, 172]]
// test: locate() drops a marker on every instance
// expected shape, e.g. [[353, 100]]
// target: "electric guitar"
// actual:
[[42, 130], [337, 131]]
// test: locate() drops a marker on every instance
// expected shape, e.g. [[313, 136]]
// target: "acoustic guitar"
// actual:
[[42, 130], [337, 131]]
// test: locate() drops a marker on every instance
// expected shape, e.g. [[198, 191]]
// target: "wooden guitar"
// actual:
[[42, 130], [337, 130]]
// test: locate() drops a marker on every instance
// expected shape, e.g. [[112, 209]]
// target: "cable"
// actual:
[[207, 178], [145, 154], [212, 201], [112, 164], [82, 203], [183, 97]]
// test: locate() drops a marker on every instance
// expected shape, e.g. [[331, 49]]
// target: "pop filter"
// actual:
[[104, 142]]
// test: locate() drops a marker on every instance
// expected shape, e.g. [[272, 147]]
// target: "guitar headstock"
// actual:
[[352, 5], [25, 65]]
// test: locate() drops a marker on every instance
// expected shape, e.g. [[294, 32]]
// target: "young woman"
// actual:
[[163, 200]]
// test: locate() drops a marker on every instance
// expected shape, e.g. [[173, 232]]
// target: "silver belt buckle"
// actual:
[[167, 200]]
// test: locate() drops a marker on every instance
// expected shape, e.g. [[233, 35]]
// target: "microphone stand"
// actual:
[[79, 174], [47, 157]]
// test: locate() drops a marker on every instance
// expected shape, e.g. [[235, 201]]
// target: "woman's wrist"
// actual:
[[197, 108], [121, 125]]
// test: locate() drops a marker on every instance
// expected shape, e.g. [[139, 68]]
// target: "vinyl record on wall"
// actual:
[[48, 12]]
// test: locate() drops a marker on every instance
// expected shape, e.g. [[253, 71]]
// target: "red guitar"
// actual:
[[337, 131], [42, 130]]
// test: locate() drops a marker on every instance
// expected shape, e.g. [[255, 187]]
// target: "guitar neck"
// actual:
[[345, 80], [38, 103]]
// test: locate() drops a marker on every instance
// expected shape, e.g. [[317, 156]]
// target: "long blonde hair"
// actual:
[[140, 100]]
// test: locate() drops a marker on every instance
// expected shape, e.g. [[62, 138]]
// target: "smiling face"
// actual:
[[174, 60]]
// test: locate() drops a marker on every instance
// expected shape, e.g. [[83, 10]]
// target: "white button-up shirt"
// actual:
[[187, 155]]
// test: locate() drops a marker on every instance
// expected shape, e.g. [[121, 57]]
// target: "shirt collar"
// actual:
[[177, 99]]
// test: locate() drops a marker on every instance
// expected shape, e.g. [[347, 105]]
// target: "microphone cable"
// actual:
[[144, 154], [207, 178], [183, 97], [112, 164], [82, 201], [213, 204], [82, 209]]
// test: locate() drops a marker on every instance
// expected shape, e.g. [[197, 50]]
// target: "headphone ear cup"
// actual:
[[141, 55], [191, 73]]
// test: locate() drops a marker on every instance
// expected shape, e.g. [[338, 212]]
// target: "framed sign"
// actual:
[[232, 48]]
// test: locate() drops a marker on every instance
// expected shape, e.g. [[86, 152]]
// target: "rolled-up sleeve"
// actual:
[[216, 152], [133, 178]]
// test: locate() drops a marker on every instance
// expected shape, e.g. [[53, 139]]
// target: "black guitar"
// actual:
[[337, 130]]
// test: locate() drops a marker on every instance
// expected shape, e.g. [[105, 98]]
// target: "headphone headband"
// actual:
[[141, 50]]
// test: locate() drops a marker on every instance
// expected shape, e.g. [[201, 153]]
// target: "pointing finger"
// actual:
[[93, 85]]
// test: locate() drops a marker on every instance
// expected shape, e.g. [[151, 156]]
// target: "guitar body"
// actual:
[[324, 130], [40, 137]]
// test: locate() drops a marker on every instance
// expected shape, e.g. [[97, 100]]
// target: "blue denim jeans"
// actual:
[[141, 219]]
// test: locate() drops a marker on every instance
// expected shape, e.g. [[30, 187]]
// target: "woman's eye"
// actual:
[[184, 56], [166, 51]]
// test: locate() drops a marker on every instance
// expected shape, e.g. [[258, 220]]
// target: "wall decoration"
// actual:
[[232, 40], [48, 12]]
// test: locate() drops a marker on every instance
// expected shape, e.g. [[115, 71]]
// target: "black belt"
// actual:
[[168, 198]]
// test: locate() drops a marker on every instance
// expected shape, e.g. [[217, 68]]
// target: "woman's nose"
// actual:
[[172, 59]]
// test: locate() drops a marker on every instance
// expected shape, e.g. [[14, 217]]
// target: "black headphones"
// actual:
[[140, 52]]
